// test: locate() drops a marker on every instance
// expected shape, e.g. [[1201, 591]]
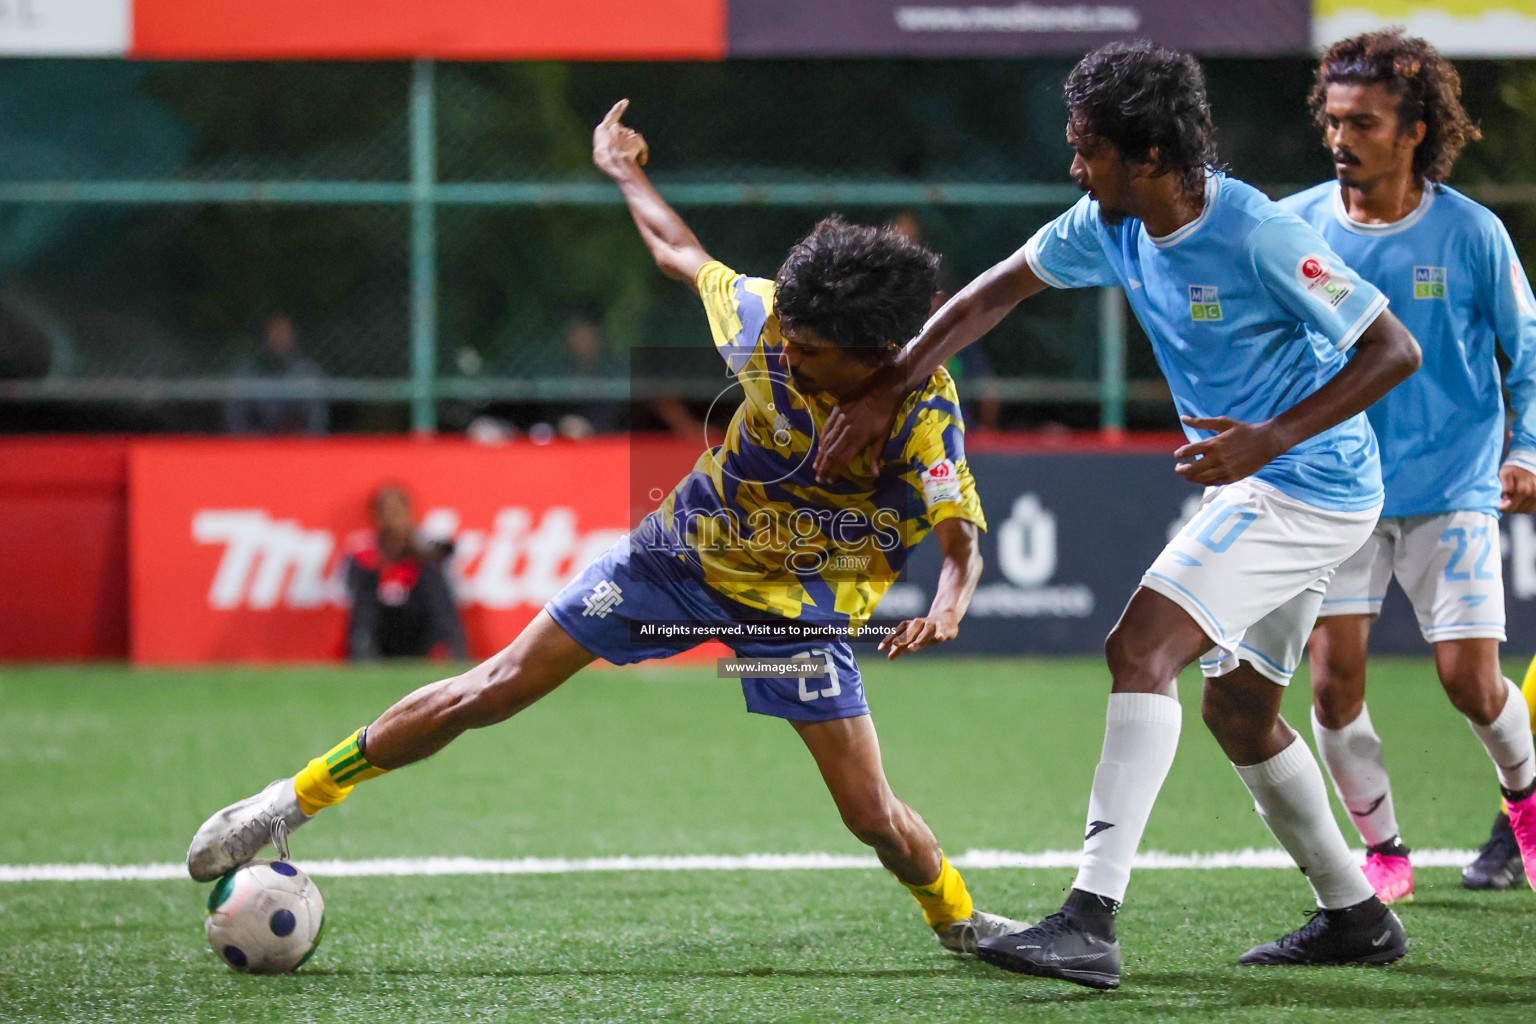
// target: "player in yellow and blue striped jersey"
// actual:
[[748, 538]]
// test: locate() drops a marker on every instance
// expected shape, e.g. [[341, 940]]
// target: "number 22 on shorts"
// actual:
[[1460, 537]]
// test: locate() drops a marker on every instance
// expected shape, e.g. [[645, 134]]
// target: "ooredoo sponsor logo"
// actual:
[[1318, 278]]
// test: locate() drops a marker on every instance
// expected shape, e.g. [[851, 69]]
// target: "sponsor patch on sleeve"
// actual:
[[941, 483], [1322, 282]]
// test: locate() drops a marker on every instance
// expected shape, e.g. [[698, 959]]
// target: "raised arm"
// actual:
[[619, 151], [1385, 356], [865, 418]]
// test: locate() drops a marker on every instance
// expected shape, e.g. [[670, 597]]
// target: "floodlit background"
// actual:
[[260, 257]]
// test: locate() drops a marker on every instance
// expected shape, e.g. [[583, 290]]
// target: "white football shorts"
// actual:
[[1251, 568], [1449, 565]]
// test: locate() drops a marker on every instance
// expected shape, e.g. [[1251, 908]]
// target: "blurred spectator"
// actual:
[[278, 358], [401, 603], [969, 367], [586, 356]]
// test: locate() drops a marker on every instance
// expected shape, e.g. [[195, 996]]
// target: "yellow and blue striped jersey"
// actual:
[[750, 518]]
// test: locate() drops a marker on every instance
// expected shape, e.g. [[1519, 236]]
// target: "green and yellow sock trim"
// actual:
[[330, 777]]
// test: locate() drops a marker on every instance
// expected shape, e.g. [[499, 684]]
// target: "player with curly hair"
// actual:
[[1250, 315], [1389, 108], [747, 537]]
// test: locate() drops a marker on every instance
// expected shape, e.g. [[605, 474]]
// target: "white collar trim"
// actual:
[[1377, 230], [1175, 237]]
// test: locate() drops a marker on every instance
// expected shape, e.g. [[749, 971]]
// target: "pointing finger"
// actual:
[[616, 111]]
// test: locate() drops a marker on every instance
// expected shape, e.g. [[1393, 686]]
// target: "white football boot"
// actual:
[[961, 936], [235, 835]]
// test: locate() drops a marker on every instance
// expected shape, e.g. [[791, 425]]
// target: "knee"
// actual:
[[1227, 717], [1136, 664], [1215, 711], [1335, 670], [873, 822], [1479, 695], [1335, 707]]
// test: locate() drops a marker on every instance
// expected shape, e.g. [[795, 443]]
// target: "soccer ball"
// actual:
[[265, 917]]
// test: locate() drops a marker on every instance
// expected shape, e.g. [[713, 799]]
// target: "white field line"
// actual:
[[971, 859]]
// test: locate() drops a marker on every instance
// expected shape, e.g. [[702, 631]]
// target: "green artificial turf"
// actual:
[[115, 766]]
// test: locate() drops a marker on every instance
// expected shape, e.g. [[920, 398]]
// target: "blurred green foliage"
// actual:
[[186, 285]]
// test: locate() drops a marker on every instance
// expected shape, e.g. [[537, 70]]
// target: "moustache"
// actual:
[[1342, 157]]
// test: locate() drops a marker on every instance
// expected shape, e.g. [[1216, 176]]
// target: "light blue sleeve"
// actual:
[[1306, 276], [1067, 252], [1512, 310]]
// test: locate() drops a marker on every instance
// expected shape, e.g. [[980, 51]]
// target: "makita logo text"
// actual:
[[268, 562]]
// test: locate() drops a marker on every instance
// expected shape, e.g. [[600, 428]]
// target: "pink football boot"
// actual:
[[1391, 877], [1522, 822]]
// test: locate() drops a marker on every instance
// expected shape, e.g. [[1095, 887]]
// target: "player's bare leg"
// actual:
[[1338, 649], [1498, 864], [1351, 751], [1154, 640], [1498, 714], [847, 752], [1351, 925], [541, 658], [1474, 680]]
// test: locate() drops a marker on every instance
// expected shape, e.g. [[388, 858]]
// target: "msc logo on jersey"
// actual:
[[1318, 278], [1203, 303], [1429, 282]]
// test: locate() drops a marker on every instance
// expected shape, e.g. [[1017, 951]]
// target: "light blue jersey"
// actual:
[[1454, 280], [1249, 312]]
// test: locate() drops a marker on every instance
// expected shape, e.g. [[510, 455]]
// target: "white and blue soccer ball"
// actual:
[[265, 917]]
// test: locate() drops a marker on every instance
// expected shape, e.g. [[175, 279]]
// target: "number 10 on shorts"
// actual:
[[1219, 524]]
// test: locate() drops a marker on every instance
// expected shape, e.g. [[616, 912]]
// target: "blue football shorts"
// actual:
[[628, 583]]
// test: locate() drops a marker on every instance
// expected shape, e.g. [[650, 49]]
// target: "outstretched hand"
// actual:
[[1238, 450], [615, 146], [915, 634]]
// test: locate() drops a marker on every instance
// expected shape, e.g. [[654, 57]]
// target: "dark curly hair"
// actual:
[[1142, 97], [862, 288], [1427, 86]]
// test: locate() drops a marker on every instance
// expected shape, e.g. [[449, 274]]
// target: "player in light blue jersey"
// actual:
[[1390, 112], [1250, 314]]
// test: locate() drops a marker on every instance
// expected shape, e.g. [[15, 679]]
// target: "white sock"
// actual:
[[1352, 756], [1508, 741], [1141, 733], [1289, 795]]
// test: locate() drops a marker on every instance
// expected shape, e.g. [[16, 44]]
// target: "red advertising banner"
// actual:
[[449, 29], [236, 546], [64, 538]]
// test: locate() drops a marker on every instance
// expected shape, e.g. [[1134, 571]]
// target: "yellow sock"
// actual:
[[329, 778], [945, 899], [1529, 689]]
